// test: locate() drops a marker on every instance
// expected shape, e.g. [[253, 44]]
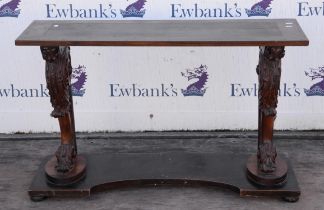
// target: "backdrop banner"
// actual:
[[141, 88]]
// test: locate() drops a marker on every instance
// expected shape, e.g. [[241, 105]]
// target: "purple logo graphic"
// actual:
[[79, 78], [10, 9], [198, 87], [261, 8], [318, 88], [135, 9]]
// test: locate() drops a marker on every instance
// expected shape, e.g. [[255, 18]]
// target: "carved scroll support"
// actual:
[[266, 168], [62, 169]]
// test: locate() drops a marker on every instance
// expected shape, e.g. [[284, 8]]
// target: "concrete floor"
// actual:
[[21, 154]]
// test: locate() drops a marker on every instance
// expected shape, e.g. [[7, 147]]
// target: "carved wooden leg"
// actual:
[[266, 168], [58, 78]]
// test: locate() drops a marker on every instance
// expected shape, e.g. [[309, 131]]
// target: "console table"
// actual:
[[70, 174]]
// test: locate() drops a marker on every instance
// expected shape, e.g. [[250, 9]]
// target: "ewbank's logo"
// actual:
[[318, 88], [261, 8], [198, 87], [309, 8], [79, 78], [10, 9], [135, 9]]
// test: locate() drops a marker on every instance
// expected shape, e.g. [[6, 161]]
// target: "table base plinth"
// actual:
[[111, 171]]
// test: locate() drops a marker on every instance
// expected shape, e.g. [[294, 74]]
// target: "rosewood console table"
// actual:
[[68, 174]]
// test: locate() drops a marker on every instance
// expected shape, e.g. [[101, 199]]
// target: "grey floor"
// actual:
[[21, 154]]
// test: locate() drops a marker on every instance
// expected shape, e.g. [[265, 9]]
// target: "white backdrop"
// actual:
[[229, 102]]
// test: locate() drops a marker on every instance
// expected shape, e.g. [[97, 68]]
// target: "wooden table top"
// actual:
[[252, 32]]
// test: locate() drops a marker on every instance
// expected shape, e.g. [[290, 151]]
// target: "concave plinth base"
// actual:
[[110, 171]]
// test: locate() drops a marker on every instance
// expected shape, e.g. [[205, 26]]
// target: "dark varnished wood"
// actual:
[[276, 178], [270, 171], [58, 72], [58, 77], [252, 32], [75, 175], [111, 171]]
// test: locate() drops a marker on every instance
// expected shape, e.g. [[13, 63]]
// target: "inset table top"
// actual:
[[252, 32]]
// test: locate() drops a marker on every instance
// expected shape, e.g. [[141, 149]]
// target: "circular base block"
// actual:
[[275, 179], [72, 177]]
